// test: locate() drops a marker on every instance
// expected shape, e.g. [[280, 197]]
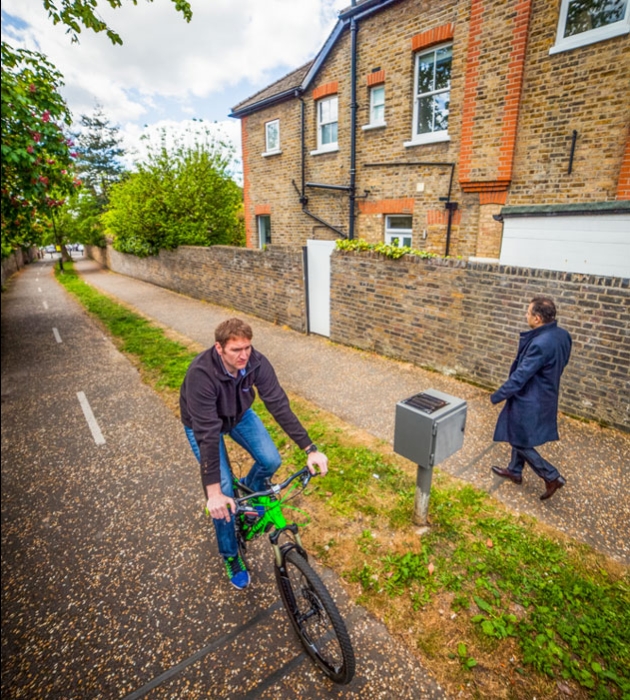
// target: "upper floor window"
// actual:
[[398, 230], [377, 105], [272, 137], [432, 94], [583, 22], [327, 117]]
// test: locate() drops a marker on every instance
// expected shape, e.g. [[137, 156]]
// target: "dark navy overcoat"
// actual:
[[530, 414]]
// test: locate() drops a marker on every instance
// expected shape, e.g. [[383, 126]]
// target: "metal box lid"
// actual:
[[429, 427], [432, 403]]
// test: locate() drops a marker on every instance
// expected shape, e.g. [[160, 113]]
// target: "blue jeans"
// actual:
[[251, 435], [544, 469]]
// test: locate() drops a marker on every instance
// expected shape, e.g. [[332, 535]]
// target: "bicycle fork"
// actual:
[[280, 550]]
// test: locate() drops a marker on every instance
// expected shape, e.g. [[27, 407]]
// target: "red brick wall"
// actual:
[[573, 90], [250, 235]]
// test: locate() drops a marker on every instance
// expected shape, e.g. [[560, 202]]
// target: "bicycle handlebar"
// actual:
[[304, 474]]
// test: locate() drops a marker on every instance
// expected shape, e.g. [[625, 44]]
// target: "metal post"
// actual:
[[423, 491]]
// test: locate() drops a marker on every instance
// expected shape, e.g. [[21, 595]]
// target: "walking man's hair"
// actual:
[[230, 329], [545, 308]]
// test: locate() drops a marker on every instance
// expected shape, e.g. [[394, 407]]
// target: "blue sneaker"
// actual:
[[237, 572]]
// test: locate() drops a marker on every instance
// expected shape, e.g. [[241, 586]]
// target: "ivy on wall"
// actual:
[[389, 251]]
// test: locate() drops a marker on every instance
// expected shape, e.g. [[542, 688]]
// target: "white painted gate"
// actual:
[[318, 270]]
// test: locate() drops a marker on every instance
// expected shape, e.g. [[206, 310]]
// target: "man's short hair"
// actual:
[[230, 329], [545, 308]]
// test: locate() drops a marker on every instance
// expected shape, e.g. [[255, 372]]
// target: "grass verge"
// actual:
[[495, 605]]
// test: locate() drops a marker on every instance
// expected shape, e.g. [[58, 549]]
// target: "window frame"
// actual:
[[272, 151], [590, 36], [430, 136], [332, 146], [373, 90], [400, 233], [259, 228]]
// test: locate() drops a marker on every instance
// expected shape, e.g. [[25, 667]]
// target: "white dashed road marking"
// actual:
[[57, 336], [89, 417]]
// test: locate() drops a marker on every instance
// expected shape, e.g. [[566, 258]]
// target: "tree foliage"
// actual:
[[99, 150], [77, 13], [81, 220], [37, 160], [98, 165], [182, 195]]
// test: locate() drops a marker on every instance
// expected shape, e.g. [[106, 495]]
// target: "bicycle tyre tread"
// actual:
[[345, 673]]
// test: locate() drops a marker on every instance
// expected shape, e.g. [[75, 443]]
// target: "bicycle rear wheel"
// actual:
[[315, 618]]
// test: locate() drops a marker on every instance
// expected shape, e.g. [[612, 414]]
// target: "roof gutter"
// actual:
[[267, 102], [365, 9]]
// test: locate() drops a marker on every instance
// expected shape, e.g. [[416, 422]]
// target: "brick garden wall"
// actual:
[[268, 284], [458, 317], [464, 318], [16, 261]]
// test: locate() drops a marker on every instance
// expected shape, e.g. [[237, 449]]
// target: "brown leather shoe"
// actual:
[[552, 487], [507, 474]]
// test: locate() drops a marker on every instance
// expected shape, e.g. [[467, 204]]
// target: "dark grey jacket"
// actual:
[[212, 402]]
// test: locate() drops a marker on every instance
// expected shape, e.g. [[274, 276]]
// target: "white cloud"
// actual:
[[168, 71], [226, 43]]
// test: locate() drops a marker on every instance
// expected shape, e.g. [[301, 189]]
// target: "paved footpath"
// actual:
[[362, 389], [111, 585]]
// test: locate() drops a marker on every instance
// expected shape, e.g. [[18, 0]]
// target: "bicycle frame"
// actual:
[[273, 517]]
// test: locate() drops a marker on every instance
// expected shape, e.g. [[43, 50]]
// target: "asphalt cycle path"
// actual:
[[111, 586], [362, 389]]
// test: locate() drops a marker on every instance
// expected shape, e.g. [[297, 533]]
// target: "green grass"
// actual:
[[573, 618], [166, 359]]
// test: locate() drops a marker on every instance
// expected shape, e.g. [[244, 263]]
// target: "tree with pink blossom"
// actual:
[[37, 158]]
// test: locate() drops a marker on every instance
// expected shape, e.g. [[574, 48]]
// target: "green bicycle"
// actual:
[[310, 607]]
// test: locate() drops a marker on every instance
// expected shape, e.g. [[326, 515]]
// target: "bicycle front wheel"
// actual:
[[315, 618]]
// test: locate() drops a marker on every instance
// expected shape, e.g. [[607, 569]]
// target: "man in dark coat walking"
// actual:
[[530, 415]]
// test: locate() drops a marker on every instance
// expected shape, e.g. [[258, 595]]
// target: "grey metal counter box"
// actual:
[[429, 427]]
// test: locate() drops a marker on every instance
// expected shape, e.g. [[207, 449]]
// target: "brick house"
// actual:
[[483, 129]]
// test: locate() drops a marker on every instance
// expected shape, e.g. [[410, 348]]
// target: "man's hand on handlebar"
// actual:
[[317, 459], [219, 505]]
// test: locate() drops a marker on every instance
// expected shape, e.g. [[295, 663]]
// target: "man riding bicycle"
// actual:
[[215, 400]]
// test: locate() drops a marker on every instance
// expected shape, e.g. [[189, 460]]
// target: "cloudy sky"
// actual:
[[168, 73]]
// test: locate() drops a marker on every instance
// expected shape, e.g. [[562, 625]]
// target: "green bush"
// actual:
[[181, 195]]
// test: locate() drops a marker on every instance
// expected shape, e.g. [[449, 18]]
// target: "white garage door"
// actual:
[[592, 244]]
